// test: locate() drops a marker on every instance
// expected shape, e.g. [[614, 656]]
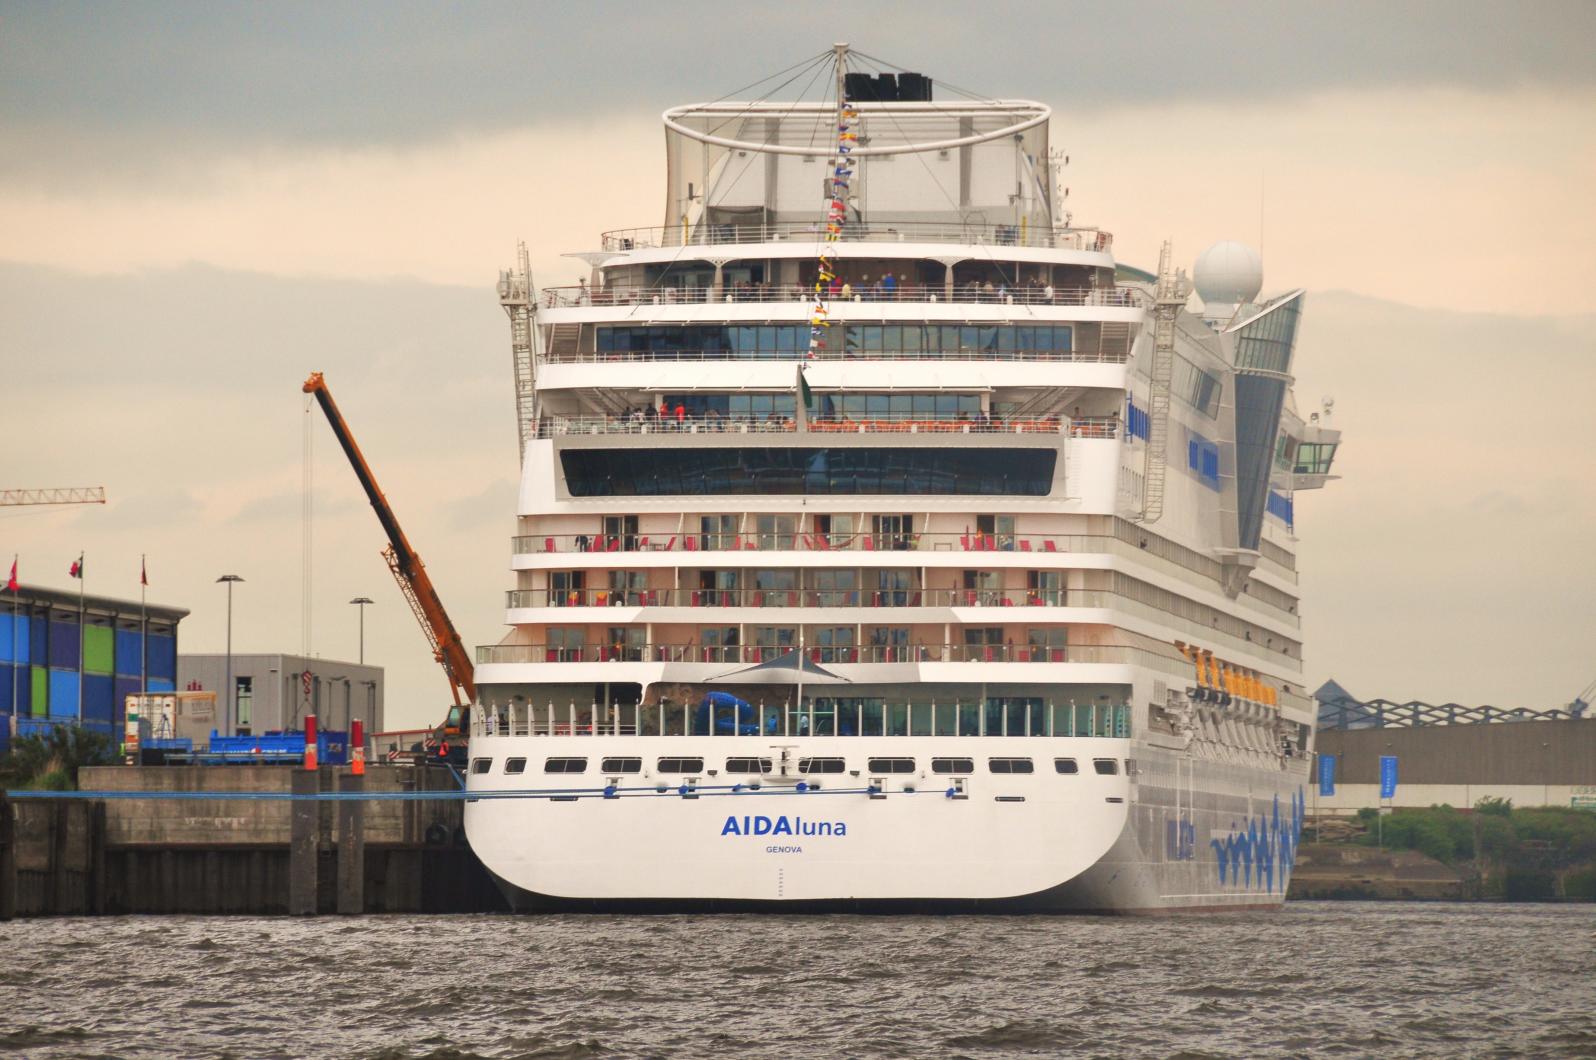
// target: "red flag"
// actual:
[[144, 573], [11, 586], [77, 567]]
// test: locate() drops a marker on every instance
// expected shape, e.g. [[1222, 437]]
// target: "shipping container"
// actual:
[[14, 638], [98, 649], [163, 657], [41, 691], [129, 652], [161, 684], [123, 687], [63, 693], [64, 646]]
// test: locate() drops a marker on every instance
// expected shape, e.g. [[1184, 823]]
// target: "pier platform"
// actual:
[[254, 855]]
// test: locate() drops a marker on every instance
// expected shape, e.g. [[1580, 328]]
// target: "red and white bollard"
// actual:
[[357, 747], [310, 741]]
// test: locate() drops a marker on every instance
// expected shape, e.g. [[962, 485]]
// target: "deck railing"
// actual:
[[639, 423], [751, 654], [791, 541], [882, 231], [1095, 356], [940, 597], [812, 718], [566, 297]]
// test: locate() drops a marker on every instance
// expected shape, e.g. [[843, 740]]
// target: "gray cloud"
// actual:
[[86, 89]]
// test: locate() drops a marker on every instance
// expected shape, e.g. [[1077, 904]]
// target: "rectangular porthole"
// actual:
[[481, 765], [1010, 765], [891, 765], [748, 765], [620, 765], [565, 765], [953, 765], [822, 765], [514, 765], [680, 765], [1105, 767], [1067, 766]]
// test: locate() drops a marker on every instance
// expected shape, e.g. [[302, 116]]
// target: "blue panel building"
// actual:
[[61, 654]]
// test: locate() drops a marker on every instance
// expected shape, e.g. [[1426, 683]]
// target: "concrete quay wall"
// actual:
[[74, 856]]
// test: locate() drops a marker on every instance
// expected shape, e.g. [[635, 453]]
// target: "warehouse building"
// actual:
[[1454, 754], [273, 693], [66, 658]]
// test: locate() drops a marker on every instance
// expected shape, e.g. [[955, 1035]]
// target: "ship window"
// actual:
[[891, 765], [821, 765], [515, 765], [680, 765], [1106, 767], [748, 765], [565, 765], [809, 471], [1010, 765], [1066, 765], [953, 765], [621, 765], [481, 765]]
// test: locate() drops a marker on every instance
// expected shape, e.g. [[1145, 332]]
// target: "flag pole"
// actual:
[[82, 621], [144, 629], [15, 663]]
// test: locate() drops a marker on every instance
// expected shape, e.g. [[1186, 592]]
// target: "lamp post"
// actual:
[[227, 703], [361, 602]]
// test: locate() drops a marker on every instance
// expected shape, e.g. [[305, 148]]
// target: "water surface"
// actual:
[[1326, 979]]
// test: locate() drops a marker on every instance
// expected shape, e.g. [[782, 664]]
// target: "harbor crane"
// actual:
[[414, 583], [74, 495]]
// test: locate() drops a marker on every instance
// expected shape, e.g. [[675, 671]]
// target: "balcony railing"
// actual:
[[520, 598], [639, 423], [1094, 356], [789, 541], [814, 717], [750, 654], [999, 235], [969, 293]]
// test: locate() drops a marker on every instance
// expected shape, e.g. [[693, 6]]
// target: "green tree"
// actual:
[[50, 760]]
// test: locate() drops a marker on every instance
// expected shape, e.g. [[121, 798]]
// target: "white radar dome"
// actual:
[[1227, 275]]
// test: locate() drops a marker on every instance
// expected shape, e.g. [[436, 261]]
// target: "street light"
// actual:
[[361, 602], [227, 702]]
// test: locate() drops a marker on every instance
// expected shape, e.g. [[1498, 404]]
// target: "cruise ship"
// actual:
[[885, 545]]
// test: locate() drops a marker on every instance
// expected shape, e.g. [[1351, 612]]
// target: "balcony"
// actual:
[[1046, 544], [529, 598], [583, 296], [996, 235], [1104, 427], [750, 654]]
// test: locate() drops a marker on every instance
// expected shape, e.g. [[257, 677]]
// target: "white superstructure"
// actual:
[[985, 599]]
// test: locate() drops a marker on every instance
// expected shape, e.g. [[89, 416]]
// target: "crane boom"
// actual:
[[407, 568], [80, 495]]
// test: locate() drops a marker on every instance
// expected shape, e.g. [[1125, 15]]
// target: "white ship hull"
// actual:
[[1037, 843]]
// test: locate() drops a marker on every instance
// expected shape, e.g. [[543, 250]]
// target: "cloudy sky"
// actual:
[[200, 203]]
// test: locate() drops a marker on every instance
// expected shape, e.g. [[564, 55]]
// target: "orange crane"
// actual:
[[411, 574]]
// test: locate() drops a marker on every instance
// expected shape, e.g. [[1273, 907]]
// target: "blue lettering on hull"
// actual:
[[759, 824]]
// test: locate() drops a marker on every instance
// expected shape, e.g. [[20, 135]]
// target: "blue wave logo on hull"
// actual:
[[1250, 855]]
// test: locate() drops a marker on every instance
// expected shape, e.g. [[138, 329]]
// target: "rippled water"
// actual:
[[1318, 978]]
